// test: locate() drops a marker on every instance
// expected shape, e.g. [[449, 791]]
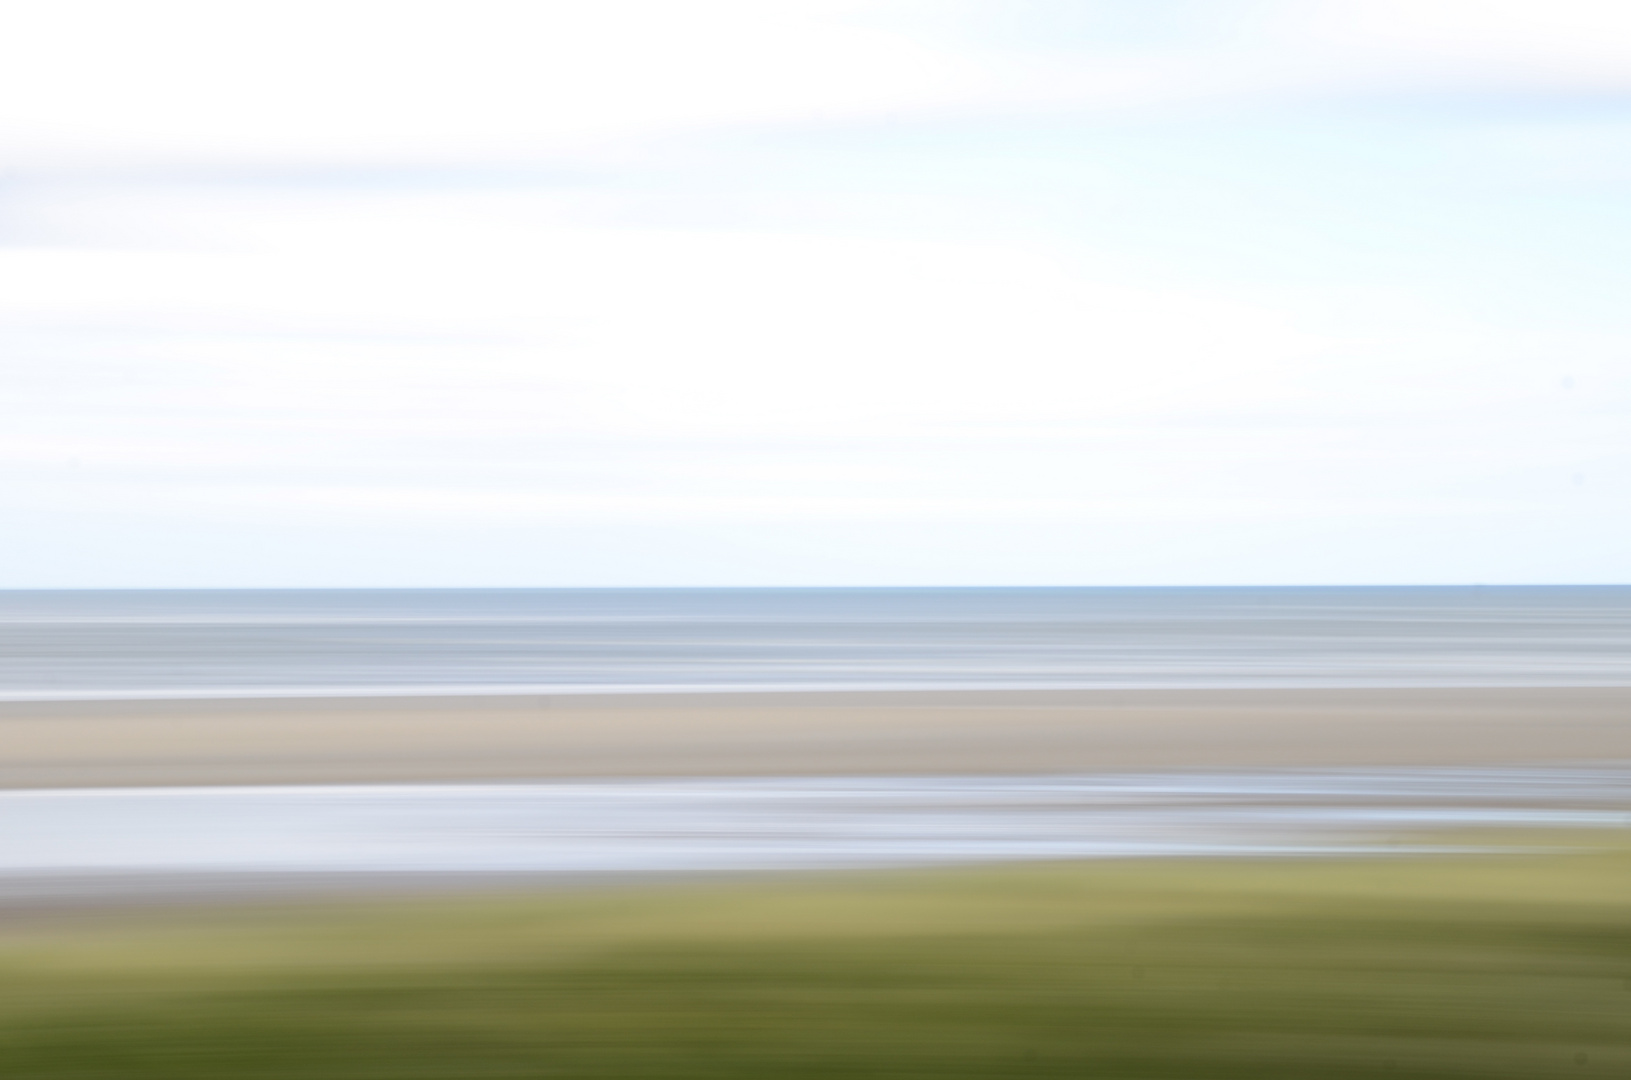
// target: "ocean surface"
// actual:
[[73, 644]]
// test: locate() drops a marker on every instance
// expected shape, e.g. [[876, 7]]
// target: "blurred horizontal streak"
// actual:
[[115, 845], [352, 740], [312, 643], [1499, 967]]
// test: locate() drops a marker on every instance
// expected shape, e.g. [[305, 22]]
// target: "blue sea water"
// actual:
[[130, 643]]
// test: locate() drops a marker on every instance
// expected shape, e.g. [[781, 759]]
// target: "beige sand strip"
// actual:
[[331, 740]]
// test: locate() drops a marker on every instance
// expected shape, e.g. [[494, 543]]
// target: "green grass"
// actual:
[[1488, 966]]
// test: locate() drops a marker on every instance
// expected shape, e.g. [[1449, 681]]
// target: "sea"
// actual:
[[293, 642]]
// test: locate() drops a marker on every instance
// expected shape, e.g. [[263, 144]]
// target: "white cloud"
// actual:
[[303, 83], [1521, 44], [427, 315], [482, 308], [194, 81]]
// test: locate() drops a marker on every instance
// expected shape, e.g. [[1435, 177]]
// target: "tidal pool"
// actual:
[[87, 841]]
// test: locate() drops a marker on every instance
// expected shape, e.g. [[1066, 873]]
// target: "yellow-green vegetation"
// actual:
[[1414, 966]]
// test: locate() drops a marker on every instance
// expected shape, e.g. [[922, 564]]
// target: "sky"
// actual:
[[814, 292]]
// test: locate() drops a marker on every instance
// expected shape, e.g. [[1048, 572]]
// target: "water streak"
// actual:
[[202, 643], [772, 823]]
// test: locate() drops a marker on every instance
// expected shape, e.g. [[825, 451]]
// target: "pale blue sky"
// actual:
[[815, 292]]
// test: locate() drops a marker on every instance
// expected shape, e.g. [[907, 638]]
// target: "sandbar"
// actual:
[[542, 736]]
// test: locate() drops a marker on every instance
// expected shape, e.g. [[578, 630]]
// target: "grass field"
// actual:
[[1416, 966]]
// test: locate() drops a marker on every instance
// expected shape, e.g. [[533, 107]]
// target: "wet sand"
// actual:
[[357, 740]]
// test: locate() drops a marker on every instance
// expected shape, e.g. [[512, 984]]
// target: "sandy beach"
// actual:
[[355, 740]]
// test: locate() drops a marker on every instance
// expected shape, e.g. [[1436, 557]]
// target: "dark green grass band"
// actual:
[[1488, 966]]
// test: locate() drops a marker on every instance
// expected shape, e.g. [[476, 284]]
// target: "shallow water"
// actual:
[[95, 836], [312, 642]]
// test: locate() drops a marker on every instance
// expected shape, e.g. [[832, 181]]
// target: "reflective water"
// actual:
[[202, 643], [772, 823]]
